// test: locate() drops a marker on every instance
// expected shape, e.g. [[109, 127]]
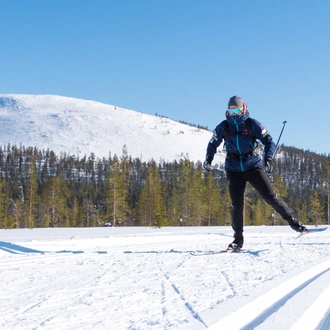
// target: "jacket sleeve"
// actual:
[[265, 138], [217, 137]]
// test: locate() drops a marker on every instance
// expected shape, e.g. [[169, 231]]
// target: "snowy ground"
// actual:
[[145, 278]]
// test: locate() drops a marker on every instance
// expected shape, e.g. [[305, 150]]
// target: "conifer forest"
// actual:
[[42, 189]]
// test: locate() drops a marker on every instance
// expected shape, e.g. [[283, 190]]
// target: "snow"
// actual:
[[146, 278], [81, 127]]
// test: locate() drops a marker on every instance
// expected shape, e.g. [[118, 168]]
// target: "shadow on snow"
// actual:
[[19, 249]]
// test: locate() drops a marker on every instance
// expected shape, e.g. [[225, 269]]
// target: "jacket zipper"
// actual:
[[237, 145]]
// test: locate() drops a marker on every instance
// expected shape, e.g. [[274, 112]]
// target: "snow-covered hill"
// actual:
[[81, 127]]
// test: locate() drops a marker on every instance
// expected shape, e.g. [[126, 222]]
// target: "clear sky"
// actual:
[[178, 58]]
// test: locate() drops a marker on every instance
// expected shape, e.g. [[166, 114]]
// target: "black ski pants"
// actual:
[[259, 180]]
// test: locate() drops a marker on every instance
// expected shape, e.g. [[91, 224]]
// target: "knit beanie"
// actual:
[[236, 101]]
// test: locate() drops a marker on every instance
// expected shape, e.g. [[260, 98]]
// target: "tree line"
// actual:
[[41, 189]]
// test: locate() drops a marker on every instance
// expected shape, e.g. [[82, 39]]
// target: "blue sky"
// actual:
[[178, 58]]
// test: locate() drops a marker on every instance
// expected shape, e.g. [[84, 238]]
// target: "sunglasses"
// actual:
[[235, 112]]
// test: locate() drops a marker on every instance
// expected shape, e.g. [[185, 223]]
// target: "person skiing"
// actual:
[[243, 164]]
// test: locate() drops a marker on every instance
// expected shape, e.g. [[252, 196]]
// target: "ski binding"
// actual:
[[208, 253]]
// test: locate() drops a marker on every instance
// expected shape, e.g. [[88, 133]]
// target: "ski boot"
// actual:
[[296, 225], [237, 243]]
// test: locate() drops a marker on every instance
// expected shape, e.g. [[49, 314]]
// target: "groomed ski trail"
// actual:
[[259, 310]]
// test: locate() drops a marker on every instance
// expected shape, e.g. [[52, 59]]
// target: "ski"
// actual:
[[312, 230], [208, 253]]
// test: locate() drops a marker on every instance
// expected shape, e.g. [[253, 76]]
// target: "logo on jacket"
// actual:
[[214, 137], [264, 132]]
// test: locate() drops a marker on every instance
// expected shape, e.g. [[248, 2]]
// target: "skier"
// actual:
[[244, 165]]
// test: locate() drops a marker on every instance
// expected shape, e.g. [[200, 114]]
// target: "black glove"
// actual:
[[268, 165], [207, 164]]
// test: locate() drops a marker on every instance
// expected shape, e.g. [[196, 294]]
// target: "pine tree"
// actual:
[[151, 206], [75, 219], [317, 212], [54, 201], [115, 201], [173, 206], [211, 200], [169, 175], [326, 184], [262, 213], [282, 191], [125, 169], [183, 186], [303, 213], [31, 193], [198, 191], [6, 221], [328, 190]]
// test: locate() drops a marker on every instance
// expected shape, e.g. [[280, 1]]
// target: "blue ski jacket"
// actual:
[[240, 142]]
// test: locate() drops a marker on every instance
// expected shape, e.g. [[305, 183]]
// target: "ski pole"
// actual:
[[279, 138]]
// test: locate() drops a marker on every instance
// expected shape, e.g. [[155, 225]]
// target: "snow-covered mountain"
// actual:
[[77, 126]]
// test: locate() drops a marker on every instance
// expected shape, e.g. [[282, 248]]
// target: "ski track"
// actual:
[[133, 284], [260, 312]]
